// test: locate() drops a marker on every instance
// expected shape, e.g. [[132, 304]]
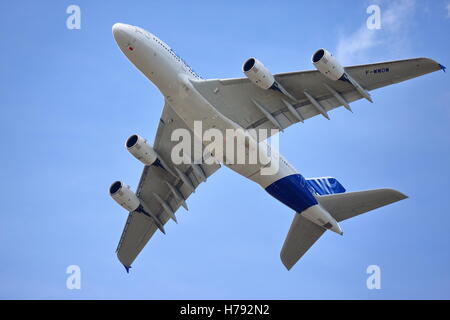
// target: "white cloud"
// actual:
[[392, 37], [353, 48], [448, 11]]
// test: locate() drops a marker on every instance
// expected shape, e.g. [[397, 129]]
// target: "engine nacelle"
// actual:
[[327, 65], [126, 198], [258, 73], [142, 151]]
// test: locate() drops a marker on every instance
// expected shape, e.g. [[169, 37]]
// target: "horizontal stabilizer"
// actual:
[[343, 206], [302, 235]]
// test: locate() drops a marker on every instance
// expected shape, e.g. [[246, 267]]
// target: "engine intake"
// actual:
[[258, 73], [141, 150], [122, 194], [327, 64]]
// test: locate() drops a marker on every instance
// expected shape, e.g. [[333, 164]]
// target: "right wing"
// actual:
[[233, 97], [139, 228]]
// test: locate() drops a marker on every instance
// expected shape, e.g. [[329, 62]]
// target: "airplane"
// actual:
[[259, 101]]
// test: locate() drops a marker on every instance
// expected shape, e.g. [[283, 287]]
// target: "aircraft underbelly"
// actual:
[[196, 111]]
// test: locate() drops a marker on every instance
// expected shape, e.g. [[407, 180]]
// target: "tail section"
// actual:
[[341, 205]]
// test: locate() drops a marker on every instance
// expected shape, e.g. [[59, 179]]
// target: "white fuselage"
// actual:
[[175, 79]]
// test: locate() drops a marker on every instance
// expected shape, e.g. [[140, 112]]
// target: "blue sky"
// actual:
[[69, 99]]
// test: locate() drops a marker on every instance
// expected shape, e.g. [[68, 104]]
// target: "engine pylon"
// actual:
[[322, 218]]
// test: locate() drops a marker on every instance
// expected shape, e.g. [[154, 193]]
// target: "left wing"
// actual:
[[236, 98], [157, 186]]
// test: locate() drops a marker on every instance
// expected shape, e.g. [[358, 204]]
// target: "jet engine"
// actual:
[[124, 196], [327, 64], [258, 73], [142, 151]]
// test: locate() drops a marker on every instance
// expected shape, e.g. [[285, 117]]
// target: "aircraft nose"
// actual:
[[123, 33]]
